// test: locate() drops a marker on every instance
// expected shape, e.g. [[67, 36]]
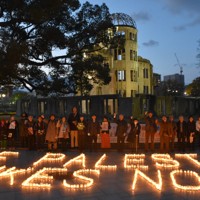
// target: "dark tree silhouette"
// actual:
[[43, 43]]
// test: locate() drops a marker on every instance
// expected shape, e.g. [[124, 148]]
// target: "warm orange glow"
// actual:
[[50, 157], [133, 161], [78, 159], [98, 164], [10, 173], [5, 154], [149, 180], [164, 161], [190, 157], [41, 179], [38, 180], [185, 173], [9, 153], [77, 174], [2, 168]]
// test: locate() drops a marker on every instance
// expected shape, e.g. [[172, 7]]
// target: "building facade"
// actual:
[[179, 78], [145, 76], [130, 73]]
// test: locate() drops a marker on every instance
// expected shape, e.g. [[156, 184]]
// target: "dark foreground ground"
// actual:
[[111, 184]]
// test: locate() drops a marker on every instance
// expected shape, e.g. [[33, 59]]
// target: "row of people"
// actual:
[[78, 133], [186, 132]]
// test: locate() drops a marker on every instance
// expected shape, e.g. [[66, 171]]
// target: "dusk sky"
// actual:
[[165, 28]]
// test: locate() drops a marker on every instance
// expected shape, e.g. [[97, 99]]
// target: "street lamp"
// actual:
[[2, 96]]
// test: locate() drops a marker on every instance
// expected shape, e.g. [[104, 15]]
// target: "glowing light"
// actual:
[[165, 161], [78, 175], [134, 161], [153, 183], [5, 154], [9, 153], [50, 157], [98, 164], [41, 179], [2, 158], [185, 173], [190, 157], [10, 173], [78, 159], [2, 168]]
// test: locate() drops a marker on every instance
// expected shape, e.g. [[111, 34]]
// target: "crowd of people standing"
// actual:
[[185, 132], [74, 132]]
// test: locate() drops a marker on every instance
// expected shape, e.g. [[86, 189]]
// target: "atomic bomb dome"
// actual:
[[122, 19]]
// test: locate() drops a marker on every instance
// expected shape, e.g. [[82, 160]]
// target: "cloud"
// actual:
[[179, 6], [191, 8], [151, 43], [195, 22], [141, 16], [180, 28]]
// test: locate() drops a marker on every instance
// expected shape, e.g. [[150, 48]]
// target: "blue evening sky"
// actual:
[[165, 27]]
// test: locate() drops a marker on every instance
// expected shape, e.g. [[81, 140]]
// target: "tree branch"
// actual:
[[31, 62]]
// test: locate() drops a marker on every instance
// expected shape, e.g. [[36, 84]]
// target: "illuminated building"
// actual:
[[130, 74]]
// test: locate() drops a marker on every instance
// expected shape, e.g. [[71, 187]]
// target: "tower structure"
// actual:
[[126, 75]]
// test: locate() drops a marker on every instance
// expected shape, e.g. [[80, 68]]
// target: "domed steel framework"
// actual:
[[121, 19]]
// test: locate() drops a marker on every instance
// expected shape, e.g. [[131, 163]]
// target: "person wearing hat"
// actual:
[[150, 130]]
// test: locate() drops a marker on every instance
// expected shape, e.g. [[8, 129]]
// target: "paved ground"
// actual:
[[112, 184]]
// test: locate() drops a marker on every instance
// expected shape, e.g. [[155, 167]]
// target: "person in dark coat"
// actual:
[[121, 131], [174, 133], [133, 136], [191, 124], [82, 127], [73, 121], [165, 132], [23, 130], [3, 134], [31, 132], [93, 130], [150, 130], [182, 132], [40, 131]]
